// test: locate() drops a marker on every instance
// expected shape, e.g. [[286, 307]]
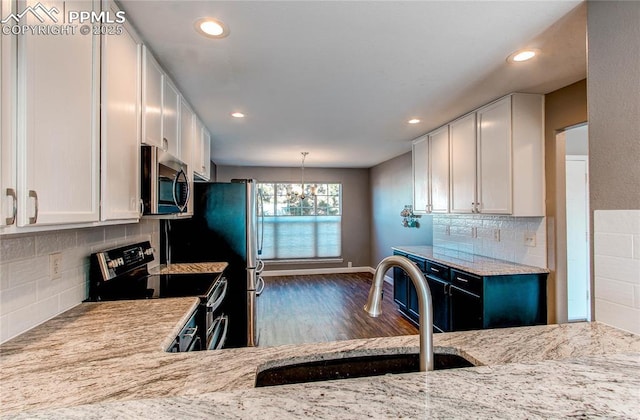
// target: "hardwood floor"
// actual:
[[320, 308]]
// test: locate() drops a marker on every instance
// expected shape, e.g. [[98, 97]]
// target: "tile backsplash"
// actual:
[[518, 239], [28, 293], [617, 268]]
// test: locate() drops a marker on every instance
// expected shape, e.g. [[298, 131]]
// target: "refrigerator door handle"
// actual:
[[260, 267], [259, 286]]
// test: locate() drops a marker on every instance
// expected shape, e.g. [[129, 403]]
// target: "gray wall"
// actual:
[[356, 209], [391, 190], [613, 88]]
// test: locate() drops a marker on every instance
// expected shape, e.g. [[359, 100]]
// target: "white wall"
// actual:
[[617, 268], [510, 247], [28, 295]]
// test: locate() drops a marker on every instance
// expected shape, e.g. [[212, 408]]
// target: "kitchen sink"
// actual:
[[353, 367]]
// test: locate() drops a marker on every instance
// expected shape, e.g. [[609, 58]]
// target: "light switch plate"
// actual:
[[496, 235], [530, 239], [55, 265], [447, 230]]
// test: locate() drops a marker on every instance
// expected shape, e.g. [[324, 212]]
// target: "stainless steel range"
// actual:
[[122, 274]]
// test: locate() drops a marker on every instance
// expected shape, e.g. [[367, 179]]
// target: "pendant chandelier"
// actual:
[[293, 194]]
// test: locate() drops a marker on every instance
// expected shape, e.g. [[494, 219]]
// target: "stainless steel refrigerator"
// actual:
[[224, 227]]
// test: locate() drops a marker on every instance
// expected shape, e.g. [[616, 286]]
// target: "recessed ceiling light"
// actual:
[[237, 115], [211, 28], [413, 121], [522, 55]]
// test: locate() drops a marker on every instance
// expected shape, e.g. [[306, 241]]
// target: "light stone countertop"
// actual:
[[110, 356], [191, 268], [471, 263]]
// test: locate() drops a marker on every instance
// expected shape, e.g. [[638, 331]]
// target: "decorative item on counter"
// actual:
[[409, 219]]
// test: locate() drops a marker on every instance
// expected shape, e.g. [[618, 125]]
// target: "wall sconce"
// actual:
[[409, 220]]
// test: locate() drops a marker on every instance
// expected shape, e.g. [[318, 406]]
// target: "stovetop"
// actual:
[[154, 286]]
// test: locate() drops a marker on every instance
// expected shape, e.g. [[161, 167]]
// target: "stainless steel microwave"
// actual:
[[164, 182]]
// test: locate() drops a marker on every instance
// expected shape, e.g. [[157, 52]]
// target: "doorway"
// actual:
[[577, 218]]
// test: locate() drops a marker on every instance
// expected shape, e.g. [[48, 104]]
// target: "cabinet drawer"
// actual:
[[438, 270], [422, 264], [467, 282]]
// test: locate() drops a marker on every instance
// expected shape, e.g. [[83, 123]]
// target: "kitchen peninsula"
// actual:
[[78, 365]]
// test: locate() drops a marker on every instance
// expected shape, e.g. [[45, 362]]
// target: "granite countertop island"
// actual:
[[474, 264], [106, 360]]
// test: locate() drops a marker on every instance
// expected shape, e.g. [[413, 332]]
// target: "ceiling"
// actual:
[[339, 79]]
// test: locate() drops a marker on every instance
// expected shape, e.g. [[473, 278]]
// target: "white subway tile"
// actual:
[[114, 232], [48, 308], [614, 291], [17, 248], [55, 242], [71, 297], [621, 269], [15, 298], [45, 288], [132, 230], [613, 244], [636, 296], [26, 271], [90, 236], [4, 276], [636, 247], [23, 319], [617, 221], [4, 328], [618, 316]]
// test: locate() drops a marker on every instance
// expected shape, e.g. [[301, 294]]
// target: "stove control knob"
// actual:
[[149, 251], [120, 261], [112, 264]]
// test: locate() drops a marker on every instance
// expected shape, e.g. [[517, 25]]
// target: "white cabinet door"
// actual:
[[420, 156], [151, 100], [206, 154], [120, 125], [8, 181], [170, 117], [494, 158], [463, 164], [439, 170], [202, 160], [58, 120], [187, 144]]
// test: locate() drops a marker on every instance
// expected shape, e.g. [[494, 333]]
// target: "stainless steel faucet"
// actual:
[[374, 303]]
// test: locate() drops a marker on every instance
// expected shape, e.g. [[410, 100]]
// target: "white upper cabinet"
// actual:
[[439, 170], [151, 100], [497, 158], [120, 125], [8, 180], [463, 164], [170, 117], [58, 124], [187, 144], [202, 167], [421, 192], [494, 158]]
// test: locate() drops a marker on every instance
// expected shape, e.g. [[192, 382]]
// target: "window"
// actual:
[[296, 227]]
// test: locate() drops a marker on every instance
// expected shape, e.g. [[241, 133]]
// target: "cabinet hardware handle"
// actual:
[[141, 207], [462, 280], [14, 209], [191, 332], [435, 270], [34, 195]]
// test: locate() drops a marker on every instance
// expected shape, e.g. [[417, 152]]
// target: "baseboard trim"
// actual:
[[271, 273], [336, 270]]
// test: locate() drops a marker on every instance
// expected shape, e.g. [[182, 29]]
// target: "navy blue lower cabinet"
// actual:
[[464, 301]]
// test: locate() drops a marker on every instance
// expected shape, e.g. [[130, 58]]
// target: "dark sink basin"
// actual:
[[353, 367]]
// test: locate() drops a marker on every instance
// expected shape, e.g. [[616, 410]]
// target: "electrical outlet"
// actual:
[[349, 264], [496, 235], [474, 232], [530, 239], [447, 230], [55, 265]]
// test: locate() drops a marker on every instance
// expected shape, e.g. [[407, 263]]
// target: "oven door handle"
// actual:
[[218, 298], [218, 338]]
